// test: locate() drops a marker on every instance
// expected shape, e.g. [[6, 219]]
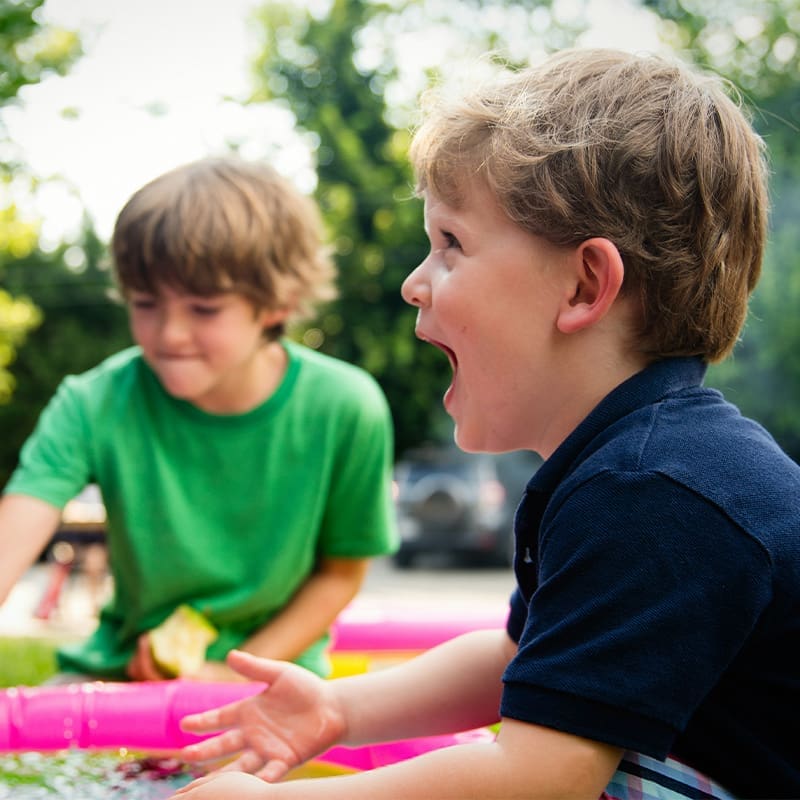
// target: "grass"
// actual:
[[26, 660]]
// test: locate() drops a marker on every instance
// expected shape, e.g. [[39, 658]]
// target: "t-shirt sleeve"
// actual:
[[54, 461], [359, 518], [646, 592]]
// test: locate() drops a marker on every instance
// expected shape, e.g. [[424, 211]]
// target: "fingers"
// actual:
[[273, 771], [269, 770], [214, 719], [255, 668], [141, 667], [222, 746], [249, 761]]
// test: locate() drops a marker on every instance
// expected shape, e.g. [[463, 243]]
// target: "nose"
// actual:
[[173, 328], [416, 290]]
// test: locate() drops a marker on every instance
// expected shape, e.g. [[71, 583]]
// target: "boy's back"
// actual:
[[674, 519]]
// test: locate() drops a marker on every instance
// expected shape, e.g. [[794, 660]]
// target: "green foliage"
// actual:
[[81, 326], [28, 51], [26, 661], [366, 196], [17, 317], [342, 75]]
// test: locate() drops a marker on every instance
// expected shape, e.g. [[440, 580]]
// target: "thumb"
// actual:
[[256, 668]]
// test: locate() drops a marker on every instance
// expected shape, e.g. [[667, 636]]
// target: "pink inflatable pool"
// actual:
[[146, 716], [368, 627]]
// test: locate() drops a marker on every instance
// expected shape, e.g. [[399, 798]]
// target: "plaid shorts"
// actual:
[[640, 777]]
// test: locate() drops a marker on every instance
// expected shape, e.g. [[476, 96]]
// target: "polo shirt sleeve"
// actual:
[[646, 592], [518, 614]]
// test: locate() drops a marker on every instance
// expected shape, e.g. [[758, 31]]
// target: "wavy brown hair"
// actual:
[[657, 158], [225, 225]]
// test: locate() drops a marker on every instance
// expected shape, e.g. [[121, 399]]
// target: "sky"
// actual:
[[182, 58]]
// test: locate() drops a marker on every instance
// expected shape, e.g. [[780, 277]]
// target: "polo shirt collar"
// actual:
[[655, 382]]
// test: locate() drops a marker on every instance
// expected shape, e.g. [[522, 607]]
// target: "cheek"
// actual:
[[139, 328], [225, 338]]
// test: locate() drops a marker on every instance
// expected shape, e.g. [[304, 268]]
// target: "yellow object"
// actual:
[[179, 643], [317, 769], [355, 662]]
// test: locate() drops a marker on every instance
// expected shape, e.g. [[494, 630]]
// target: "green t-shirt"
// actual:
[[228, 513]]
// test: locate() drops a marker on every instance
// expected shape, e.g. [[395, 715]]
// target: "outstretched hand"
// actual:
[[294, 719]]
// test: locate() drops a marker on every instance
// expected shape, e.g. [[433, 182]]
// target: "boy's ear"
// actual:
[[598, 274], [270, 317]]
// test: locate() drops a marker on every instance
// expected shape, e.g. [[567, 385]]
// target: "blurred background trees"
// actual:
[[55, 314], [350, 72]]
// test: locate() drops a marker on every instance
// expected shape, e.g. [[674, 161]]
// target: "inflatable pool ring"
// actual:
[[367, 627], [146, 716], [367, 636]]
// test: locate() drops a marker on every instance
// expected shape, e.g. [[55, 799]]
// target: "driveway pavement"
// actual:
[[50, 602]]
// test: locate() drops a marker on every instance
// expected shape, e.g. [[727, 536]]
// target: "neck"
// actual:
[[254, 385], [589, 373]]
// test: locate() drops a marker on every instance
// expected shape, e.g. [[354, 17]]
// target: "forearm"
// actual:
[[455, 686], [26, 525], [532, 764], [311, 612]]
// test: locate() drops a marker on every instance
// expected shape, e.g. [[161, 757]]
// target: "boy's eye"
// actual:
[[142, 303], [203, 310], [451, 240]]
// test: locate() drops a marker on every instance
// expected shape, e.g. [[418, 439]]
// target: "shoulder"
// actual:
[[691, 454], [107, 387], [111, 370], [696, 438], [337, 381]]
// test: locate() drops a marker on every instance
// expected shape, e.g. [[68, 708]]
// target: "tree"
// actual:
[[54, 301], [348, 86], [758, 48], [81, 326], [28, 52]]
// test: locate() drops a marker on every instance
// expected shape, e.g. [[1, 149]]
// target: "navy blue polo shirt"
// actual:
[[658, 600]]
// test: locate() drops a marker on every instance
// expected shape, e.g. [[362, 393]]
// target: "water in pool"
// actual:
[[87, 775]]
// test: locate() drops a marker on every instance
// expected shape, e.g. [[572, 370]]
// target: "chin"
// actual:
[[477, 441], [469, 444], [179, 392]]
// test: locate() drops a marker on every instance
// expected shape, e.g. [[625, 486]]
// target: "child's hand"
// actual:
[[142, 667], [220, 785], [294, 719]]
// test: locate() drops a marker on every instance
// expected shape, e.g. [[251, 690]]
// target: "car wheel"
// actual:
[[404, 558]]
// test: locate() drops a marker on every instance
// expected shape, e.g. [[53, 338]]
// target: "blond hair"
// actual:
[[644, 152], [225, 225]]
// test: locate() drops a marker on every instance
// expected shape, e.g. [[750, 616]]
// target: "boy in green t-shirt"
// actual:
[[243, 474]]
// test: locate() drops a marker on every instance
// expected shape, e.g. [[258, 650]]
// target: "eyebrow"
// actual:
[[445, 215]]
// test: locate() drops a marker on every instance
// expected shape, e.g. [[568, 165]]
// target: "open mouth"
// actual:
[[451, 356]]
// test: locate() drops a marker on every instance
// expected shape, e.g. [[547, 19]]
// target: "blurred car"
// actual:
[[461, 504]]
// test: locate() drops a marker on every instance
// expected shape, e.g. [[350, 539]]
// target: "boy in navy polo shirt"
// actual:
[[597, 225]]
